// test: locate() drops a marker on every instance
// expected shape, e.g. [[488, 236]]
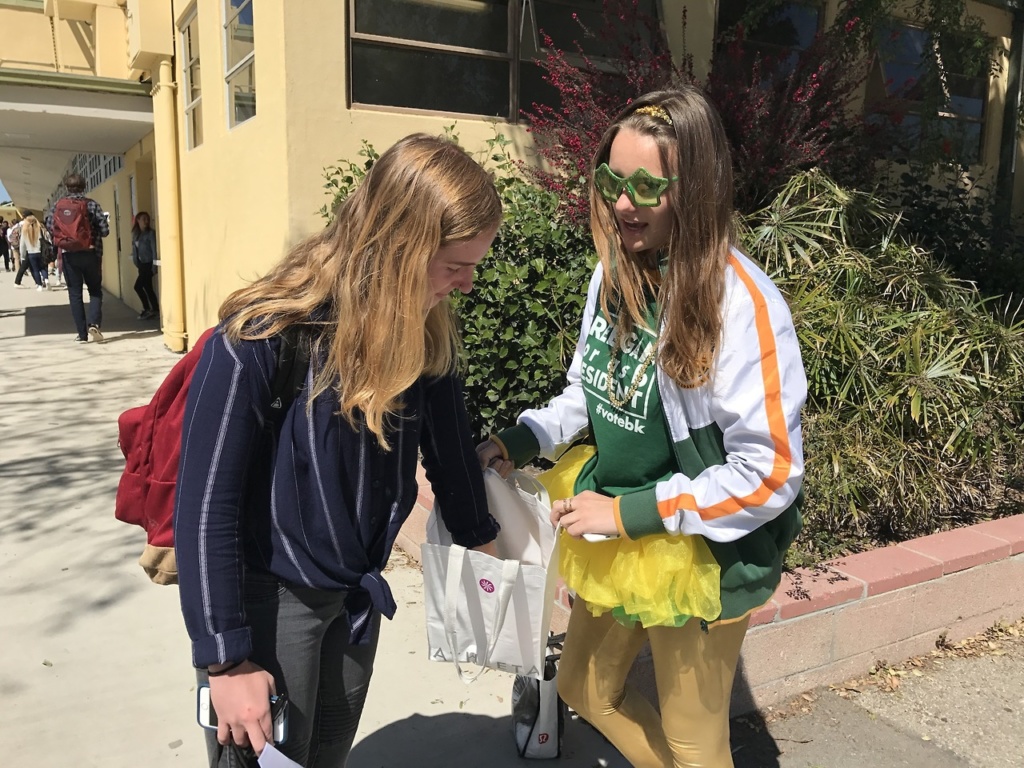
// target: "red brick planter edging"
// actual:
[[832, 622]]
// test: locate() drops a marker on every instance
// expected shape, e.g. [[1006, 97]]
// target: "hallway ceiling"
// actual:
[[42, 128]]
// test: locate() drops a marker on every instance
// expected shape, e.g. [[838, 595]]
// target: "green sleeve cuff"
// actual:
[[639, 514], [520, 444]]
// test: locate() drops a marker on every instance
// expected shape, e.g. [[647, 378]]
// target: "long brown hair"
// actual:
[[364, 279], [693, 146]]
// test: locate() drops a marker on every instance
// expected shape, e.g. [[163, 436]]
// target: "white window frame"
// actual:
[[230, 14], [195, 105]]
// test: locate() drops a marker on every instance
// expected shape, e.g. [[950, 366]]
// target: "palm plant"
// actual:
[[914, 412]]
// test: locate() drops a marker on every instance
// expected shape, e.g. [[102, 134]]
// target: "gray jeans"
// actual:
[[301, 637]]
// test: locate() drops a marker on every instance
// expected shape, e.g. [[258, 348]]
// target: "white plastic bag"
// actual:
[[489, 611]]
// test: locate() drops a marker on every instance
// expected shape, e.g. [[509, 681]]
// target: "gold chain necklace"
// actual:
[[638, 377]]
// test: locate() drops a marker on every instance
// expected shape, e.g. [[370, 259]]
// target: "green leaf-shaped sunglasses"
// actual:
[[643, 188]]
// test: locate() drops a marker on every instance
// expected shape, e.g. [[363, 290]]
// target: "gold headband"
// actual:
[[654, 111]]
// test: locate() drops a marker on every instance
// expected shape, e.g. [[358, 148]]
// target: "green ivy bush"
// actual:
[[521, 322]]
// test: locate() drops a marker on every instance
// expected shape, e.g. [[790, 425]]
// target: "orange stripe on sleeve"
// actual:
[[776, 419]]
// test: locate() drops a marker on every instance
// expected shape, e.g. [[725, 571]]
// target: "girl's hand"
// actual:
[[489, 455], [587, 512], [241, 699]]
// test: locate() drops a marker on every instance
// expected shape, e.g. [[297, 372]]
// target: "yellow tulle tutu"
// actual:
[[659, 580]]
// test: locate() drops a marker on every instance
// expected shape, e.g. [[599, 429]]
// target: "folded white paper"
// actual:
[[271, 758]]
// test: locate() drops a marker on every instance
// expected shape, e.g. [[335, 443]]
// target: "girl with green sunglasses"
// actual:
[[686, 387]]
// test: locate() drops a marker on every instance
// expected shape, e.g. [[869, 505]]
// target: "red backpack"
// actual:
[[72, 231], [150, 439]]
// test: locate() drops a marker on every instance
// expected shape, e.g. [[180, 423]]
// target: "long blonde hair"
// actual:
[[31, 230], [693, 147], [363, 280]]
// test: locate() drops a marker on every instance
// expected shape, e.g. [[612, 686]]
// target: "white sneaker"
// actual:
[[39, 287], [94, 334]]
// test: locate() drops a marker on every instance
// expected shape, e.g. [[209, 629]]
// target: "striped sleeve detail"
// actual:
[[721, 502], [211, 479]]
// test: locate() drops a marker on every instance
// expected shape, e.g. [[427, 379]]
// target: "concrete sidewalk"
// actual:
[[95, 665]]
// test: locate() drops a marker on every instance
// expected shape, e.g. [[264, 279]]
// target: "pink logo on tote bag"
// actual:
[[486, 586]]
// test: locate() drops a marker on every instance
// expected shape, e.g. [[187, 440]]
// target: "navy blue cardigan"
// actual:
[[319, 507]]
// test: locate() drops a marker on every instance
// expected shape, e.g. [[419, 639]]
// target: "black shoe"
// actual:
[[81, 339], [143, 315]]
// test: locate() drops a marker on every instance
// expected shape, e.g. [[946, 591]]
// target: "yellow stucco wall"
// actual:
[[235, 181], [111, 40], [96, 45], [27, 41]]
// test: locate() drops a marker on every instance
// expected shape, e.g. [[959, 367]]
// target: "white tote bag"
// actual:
[[494, 612]]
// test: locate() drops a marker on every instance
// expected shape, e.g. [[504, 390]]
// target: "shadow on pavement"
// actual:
[[752, 744], [56, 320], [451, 739]]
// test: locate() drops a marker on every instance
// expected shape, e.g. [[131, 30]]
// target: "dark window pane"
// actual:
[[191, 39], [964, 139], [534, 90], [791, 25], [967, 95], [396, 77], [902, 51], [568, 24], [194, 119], [242, 91], [908, 135], [469, 24], [194, 88], [239, 41], [245, 17]]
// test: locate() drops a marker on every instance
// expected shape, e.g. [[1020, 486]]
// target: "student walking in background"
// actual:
[[78, 226], [284, 523], [687, 379], [143, 257], [5, 247], [31, 248], [14, 239]]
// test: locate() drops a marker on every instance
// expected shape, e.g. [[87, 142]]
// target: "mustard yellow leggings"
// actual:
[[693, 671]]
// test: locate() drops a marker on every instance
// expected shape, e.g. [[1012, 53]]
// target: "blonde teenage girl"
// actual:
[[31, 248], [283, 524], [688, 381]]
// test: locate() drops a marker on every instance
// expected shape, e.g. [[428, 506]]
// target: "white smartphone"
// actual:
[[599, 536], [207, 717]]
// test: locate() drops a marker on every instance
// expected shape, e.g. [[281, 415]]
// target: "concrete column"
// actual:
[[168, 190]]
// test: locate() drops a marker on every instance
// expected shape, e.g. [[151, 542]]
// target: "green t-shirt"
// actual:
[[633, 441]]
